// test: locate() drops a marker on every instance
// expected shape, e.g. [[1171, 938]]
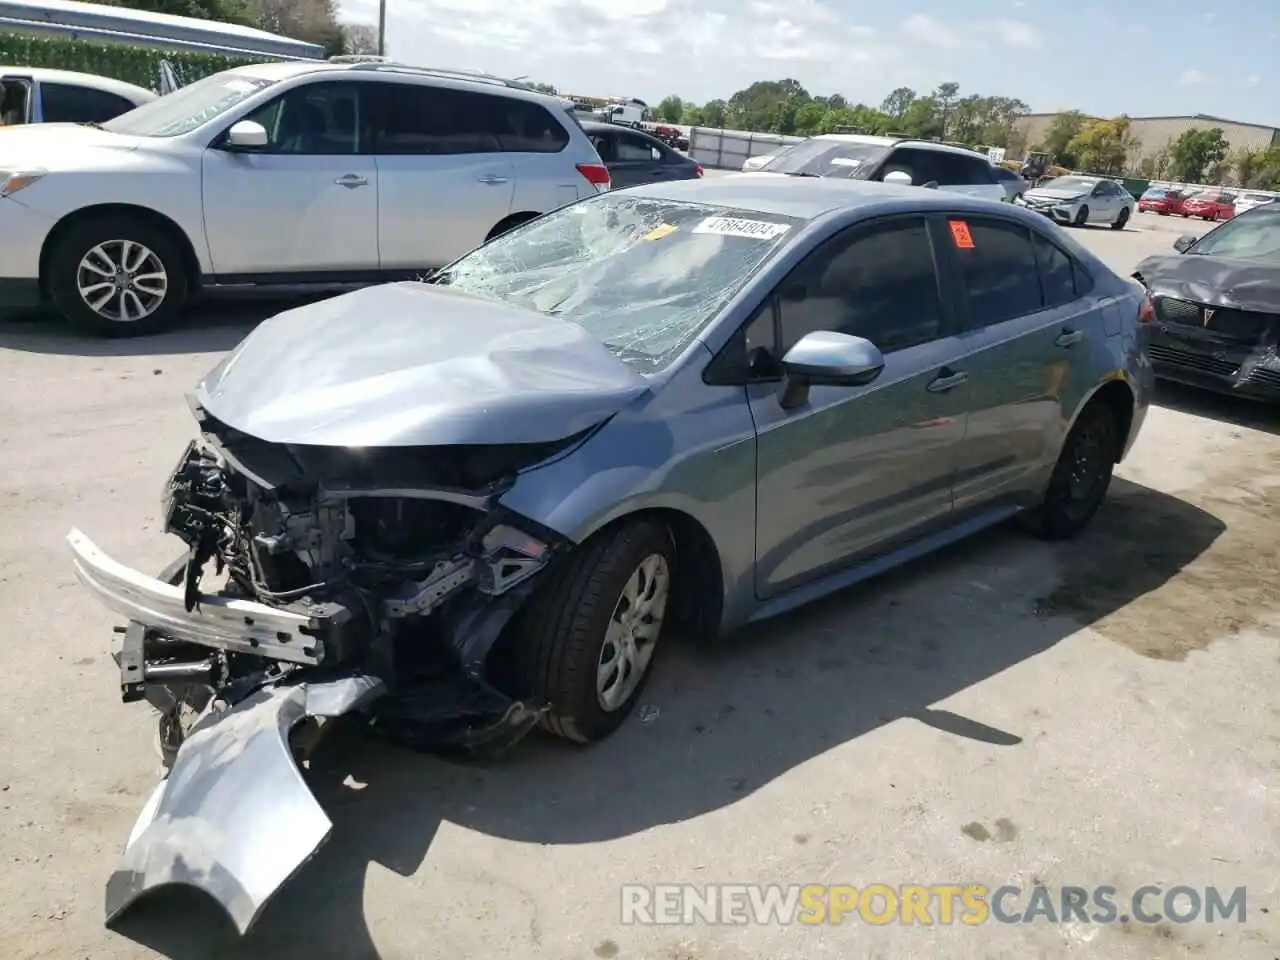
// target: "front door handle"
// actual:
[[352, 180], [947, 380], [490, 178], [1069, 338]]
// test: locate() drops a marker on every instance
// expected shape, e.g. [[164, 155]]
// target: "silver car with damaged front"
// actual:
[[458, 509]]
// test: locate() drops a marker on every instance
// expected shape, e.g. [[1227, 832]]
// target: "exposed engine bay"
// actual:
[[392, 559]]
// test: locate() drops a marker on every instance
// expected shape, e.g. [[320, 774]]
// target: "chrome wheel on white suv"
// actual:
[[122, 281], [116, 276]]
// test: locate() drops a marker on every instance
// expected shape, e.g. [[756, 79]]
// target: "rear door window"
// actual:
[[998, 265], [1061, 278], [636, 149]]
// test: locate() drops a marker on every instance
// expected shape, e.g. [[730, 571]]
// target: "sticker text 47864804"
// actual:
[[738, 227]]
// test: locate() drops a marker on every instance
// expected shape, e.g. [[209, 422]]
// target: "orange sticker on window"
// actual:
[[960, 234]]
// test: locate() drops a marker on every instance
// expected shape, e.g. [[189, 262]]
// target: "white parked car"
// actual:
[[921, 163], [1077, 200], [277, 177], [1247, 201], [41, 95]]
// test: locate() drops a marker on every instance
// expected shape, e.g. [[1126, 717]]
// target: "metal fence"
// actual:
[[729, 149]]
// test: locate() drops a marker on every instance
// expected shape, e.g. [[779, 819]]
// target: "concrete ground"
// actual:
[[1098, 712]]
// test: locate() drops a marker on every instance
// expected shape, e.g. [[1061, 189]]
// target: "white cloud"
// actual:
[[1253, 80], [1014, 33], [925, 29], [1193, 77], [697, 48], [931, 31]]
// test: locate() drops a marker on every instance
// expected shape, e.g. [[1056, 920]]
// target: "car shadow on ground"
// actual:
[[1237, 411], [730, 720], [213, 326]]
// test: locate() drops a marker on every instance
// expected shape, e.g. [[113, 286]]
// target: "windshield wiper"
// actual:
[[800, 174], [92, 123]]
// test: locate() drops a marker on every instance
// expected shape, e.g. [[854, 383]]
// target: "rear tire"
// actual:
[[1080, 478], [1121, 220], [583, 620], [86, 262], [509, 224]]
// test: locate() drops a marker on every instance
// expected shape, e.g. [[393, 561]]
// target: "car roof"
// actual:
[[130, 91], [454, 79], [899, 141], [808, 198]]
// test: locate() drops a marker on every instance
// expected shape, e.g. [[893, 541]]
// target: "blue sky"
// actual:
[[1105, 58]]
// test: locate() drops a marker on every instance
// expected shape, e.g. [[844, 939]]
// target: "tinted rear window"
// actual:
[[826, 158]]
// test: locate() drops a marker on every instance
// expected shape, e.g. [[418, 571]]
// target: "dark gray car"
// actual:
[[468, 506], [634, 157]]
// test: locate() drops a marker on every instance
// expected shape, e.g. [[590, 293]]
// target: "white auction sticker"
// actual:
[[734, 227], [845, 162]]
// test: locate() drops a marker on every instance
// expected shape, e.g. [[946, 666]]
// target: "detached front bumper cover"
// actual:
[[234, 818]]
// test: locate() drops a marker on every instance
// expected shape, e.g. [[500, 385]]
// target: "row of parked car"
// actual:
[[1205, 204]]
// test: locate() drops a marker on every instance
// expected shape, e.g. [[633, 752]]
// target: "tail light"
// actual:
[[597, 174], [697, 170], [1146, 312]]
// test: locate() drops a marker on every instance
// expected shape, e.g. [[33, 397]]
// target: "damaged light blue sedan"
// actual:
[[462, 508]]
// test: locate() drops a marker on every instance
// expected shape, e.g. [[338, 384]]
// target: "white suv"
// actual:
[[279, 177]]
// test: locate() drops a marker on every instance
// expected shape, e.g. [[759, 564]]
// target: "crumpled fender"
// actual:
[[234, 818]]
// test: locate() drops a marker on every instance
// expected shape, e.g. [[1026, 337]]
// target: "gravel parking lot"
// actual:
[[1102, 712]]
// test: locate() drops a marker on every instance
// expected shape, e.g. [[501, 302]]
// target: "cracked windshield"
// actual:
[[642, 276]]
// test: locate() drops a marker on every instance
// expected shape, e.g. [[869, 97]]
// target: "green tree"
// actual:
[[1103, 146], [1061, 132], [715, 113], [671, 109], [243, 12], [944, 98], [810, 117], [922, 119], [896, 103], [1197, 150], [767, 105]]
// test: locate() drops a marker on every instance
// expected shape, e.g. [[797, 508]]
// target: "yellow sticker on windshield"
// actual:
[[657, 233]]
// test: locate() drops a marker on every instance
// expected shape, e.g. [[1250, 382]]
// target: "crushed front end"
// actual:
[[316, 582]]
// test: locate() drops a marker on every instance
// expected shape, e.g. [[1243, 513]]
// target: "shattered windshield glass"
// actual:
[[642, 275]]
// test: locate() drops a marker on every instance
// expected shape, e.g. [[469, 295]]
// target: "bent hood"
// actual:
[[1217, 281], [411, 364]]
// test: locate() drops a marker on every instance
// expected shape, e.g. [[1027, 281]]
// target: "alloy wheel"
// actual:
[[122, 280], [633, 632]]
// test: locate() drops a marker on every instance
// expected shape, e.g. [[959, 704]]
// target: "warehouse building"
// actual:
[[1155, 132]]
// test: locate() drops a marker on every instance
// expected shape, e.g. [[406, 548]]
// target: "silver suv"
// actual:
[[279, 177]]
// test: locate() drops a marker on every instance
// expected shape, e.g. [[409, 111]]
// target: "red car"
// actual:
[[1161, 200], [1209, 205]]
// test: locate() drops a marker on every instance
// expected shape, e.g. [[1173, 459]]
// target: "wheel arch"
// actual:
[[1117, 395], [156, 219], [510, 222]]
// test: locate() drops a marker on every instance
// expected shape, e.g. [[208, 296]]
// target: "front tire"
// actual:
[[585, 646], [1082, 216], [1080, 478], [117, 276]]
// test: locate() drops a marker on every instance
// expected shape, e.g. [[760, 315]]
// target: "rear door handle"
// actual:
[[947, 380], [352, 180], [1069, 337], [489, 178]]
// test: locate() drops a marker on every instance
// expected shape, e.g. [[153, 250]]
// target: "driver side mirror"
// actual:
[[827, 358], [899, 177], [247, 135], [1184, 242]]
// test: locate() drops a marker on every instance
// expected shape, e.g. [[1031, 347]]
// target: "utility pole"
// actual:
[[382, 28]]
